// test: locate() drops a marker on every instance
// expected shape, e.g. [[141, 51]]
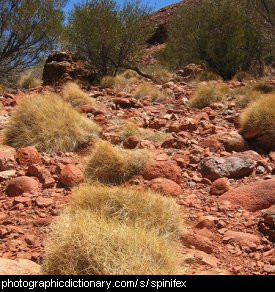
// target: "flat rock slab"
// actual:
[[19, 267]]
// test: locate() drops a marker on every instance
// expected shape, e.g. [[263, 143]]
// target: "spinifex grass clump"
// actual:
[[147, 89], [245, 96], [137, 208], [74, 95], [113, 165], [84, 243], [49, 124], [207, 94], [132, 129], [259, 118], [119, 82], [27, 81]]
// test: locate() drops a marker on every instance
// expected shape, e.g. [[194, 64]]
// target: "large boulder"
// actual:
[[252, 197], [61, 67], [230, 167], [233, 141], [165, 186]]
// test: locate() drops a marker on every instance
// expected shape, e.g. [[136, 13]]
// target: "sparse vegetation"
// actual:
[[132, 129], [263, 87], [245, 96], [106, 36], [29, 29], [205, 95], [136, 208], [48, 123], [113, 165], [82, 243], [225, 35], [260, 117], [74, 95], [2, 89], [146, 89], [206, 75], [28, 81], [118, 83]]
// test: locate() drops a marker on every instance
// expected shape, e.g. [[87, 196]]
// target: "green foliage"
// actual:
[[28, 30], [223, 34], [107, 37]]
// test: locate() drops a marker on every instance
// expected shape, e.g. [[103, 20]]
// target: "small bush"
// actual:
[[113, 165], [47, 122], [242, 76], [74, 95], [206, 75], [260, 117], [146, 89], [28, 81], [118, 83], [205, 95], [162, 75], [264, 87], [245, 96], [138, 208], [131, 129], [82, 243]]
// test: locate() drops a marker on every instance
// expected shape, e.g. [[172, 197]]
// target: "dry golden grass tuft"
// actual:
[[245, 95], [147, 89], [207, 94], [28, 81], [206, 75], [260, 117], [132, 129], [128, 74], [48, 123], [74, 95], [242, 76], [118, 83], [83, 243], [264, 87], [2, 89], [162, 75], [133, 207], [113, 165]]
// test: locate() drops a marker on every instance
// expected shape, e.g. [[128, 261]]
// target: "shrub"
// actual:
[[48, 123], [206, 75], [82, 243], [73, 94], [260, 117], [146, 89], [28, 81], [263, 87], [205, 95], [223, 34], [132, 129], [29, 30], [138, 208], [106, 36], [128, 74], [242, 76], [113, 165]]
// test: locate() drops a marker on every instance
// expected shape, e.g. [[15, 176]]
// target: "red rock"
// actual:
[[252, 197], [233, 141], [28, 155], [101, 119], [219, 186], [206, 222], [43, 202], [19, 267], [41, 222], [213, 144], [19, 185], [162, 169], [131, 142], [272, 155], [125, 102], [7, 174], [241, 237], [191, 239], [22, 200], [165, 186], [7, 161], [71, 175], [86, 108]]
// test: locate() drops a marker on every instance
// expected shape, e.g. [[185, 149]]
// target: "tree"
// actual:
[[220, 34], [106, 36], [28, 30]]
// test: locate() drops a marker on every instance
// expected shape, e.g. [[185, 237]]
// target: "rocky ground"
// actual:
[[225, 186]]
